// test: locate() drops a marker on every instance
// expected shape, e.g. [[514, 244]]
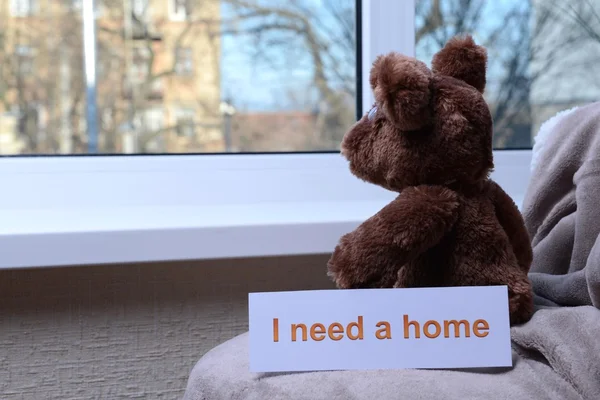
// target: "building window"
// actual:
[[140, 8], [180, 9], [153, 120], [184, 61], [25, 60], [140, 64], [23, 8], [184, 122]]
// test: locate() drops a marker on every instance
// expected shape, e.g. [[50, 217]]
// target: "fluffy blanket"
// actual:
[[562, 209], [556, 354]]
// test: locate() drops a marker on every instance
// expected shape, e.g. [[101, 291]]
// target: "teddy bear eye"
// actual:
[[372, 113]]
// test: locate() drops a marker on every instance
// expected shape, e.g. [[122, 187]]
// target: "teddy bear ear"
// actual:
[[462, 59], [401, 87]]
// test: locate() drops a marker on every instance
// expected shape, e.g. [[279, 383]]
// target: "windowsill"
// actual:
[[124, 235], [115, 210]]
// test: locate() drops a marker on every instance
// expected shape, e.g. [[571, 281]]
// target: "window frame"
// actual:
[[99, 209]]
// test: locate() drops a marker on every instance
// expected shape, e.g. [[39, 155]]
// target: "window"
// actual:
[[153, 119], [25, 59], [272, 58], [22, 8], [263, 65], [152, 124], [540, 53], [184, 120], [184, 61], [246, 150], [140, 83], [140, 64], [140, 8], [181, 9]]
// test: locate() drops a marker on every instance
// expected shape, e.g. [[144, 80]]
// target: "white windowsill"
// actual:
[[295, 208], [128, 235], [77, 237]]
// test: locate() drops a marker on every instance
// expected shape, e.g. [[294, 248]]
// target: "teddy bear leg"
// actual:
[[520, 301]]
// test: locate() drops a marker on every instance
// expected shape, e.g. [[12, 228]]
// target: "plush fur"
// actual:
[[429, 137], [545, 133]]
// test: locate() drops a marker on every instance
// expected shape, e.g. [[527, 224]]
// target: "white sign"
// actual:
[[452, 327]]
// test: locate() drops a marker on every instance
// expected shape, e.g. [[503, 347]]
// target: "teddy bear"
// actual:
[[428, 137]]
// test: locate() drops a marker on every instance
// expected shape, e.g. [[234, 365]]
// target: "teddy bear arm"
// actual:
[[362, 261], [372, 254], [421, 216], [511, 220]]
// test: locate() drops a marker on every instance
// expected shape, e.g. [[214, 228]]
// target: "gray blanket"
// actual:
[[562, 209], [556, 354]]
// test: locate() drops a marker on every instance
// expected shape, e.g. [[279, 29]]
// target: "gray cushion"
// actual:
[[223, 373]]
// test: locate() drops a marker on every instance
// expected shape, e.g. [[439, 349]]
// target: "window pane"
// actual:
[[542, 55], [178, 76]]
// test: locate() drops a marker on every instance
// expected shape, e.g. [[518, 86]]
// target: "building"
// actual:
[[157, 77], [274, 131]]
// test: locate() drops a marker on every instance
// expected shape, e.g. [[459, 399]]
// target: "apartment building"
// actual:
[[156, 68]]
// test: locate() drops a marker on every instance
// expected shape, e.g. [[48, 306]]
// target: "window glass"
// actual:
[[261, 75], [542, 55], [177, 76]]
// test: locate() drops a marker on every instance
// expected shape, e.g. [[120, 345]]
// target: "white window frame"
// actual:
[[78, 210]]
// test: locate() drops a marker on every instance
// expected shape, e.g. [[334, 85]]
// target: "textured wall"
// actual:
[[128, 331]]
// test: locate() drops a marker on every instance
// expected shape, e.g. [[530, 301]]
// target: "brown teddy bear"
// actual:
[[429, 137]]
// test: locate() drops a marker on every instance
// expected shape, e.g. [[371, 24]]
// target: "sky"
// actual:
[[260, 86]]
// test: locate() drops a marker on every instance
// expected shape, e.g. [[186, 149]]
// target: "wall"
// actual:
[[128, 331]]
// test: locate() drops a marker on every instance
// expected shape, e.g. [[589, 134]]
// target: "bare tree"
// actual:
[[325, 36], [520, 54], [323, 39]]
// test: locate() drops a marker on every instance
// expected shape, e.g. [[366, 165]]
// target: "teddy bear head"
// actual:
[[427, 126]]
